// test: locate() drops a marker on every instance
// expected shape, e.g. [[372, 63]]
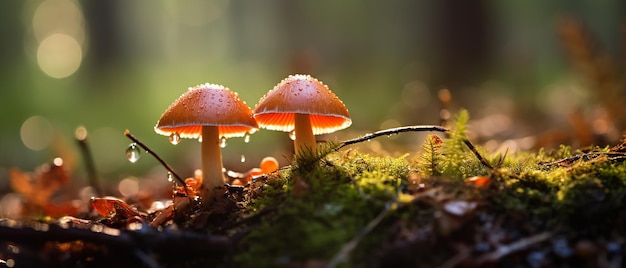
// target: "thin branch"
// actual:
[[611, 156], [516, 246], [478, 155], [168, 167], [347, 248], [147, 239], [81, 137], [392, 131], [390, 206]]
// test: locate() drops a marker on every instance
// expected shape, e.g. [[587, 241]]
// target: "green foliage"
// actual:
[[454, 150], [431, 158], [451, 157]]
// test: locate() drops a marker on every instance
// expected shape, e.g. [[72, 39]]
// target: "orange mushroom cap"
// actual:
[[207, 105], [305, 95], [268, 164]]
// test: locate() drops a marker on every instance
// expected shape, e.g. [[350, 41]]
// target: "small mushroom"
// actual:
[[268, 164], [208, 112], [304, 105]]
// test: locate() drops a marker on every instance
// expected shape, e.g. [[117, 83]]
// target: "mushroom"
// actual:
[[304, 105], [208, 112], [268, 164]]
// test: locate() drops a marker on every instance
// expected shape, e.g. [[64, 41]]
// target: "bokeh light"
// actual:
[[59, 30], [36, 133], [59, 55], [11, 205], [128, 186], [58, 16]]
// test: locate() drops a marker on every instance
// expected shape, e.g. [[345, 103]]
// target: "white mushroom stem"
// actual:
[[304, 133], [212, 175]]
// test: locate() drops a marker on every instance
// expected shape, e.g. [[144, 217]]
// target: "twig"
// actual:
[[168, 167], [348, 247], [519, 245], [358, 188], [392, 131], [145, 241], [81, 137], [36, 233], [478, 155], [585, 157], [169, 211]]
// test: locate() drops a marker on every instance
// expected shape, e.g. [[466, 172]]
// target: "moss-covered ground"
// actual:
[[441, 206]]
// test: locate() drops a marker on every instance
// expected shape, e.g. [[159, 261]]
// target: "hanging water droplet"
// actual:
[[175, 138], [200, 139], [368, 140], [292, 135], [132, 152], [246, 137], [243, 158], [223, 142], [169, 177]]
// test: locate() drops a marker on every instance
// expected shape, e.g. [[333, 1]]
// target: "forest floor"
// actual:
[[450, 205]]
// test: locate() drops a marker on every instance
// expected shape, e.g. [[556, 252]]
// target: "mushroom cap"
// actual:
[[207, 105], [305, 95]]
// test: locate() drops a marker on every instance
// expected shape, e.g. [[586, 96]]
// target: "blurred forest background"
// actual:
[[531, 73]]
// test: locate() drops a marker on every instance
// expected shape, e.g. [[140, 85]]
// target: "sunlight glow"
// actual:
[[59, 55]]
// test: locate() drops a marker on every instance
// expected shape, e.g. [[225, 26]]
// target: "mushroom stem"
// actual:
[[304, 133], [212, 175]]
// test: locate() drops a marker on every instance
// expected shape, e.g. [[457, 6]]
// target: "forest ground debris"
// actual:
[[341, 207]]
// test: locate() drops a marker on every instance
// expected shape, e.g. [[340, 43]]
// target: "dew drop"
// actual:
[[200, 139], [175, 138], [243, 158], [169, 177], [292, 135], [223, 142], [132, 152], [368, 140], [246, 137]]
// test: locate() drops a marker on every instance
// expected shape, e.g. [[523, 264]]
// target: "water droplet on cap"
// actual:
[[174, 138], [246, 137], [133, 152], [223, 142], [292, 135]]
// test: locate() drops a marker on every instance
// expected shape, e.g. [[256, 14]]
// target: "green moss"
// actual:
[[307, 213], [341, 195]]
